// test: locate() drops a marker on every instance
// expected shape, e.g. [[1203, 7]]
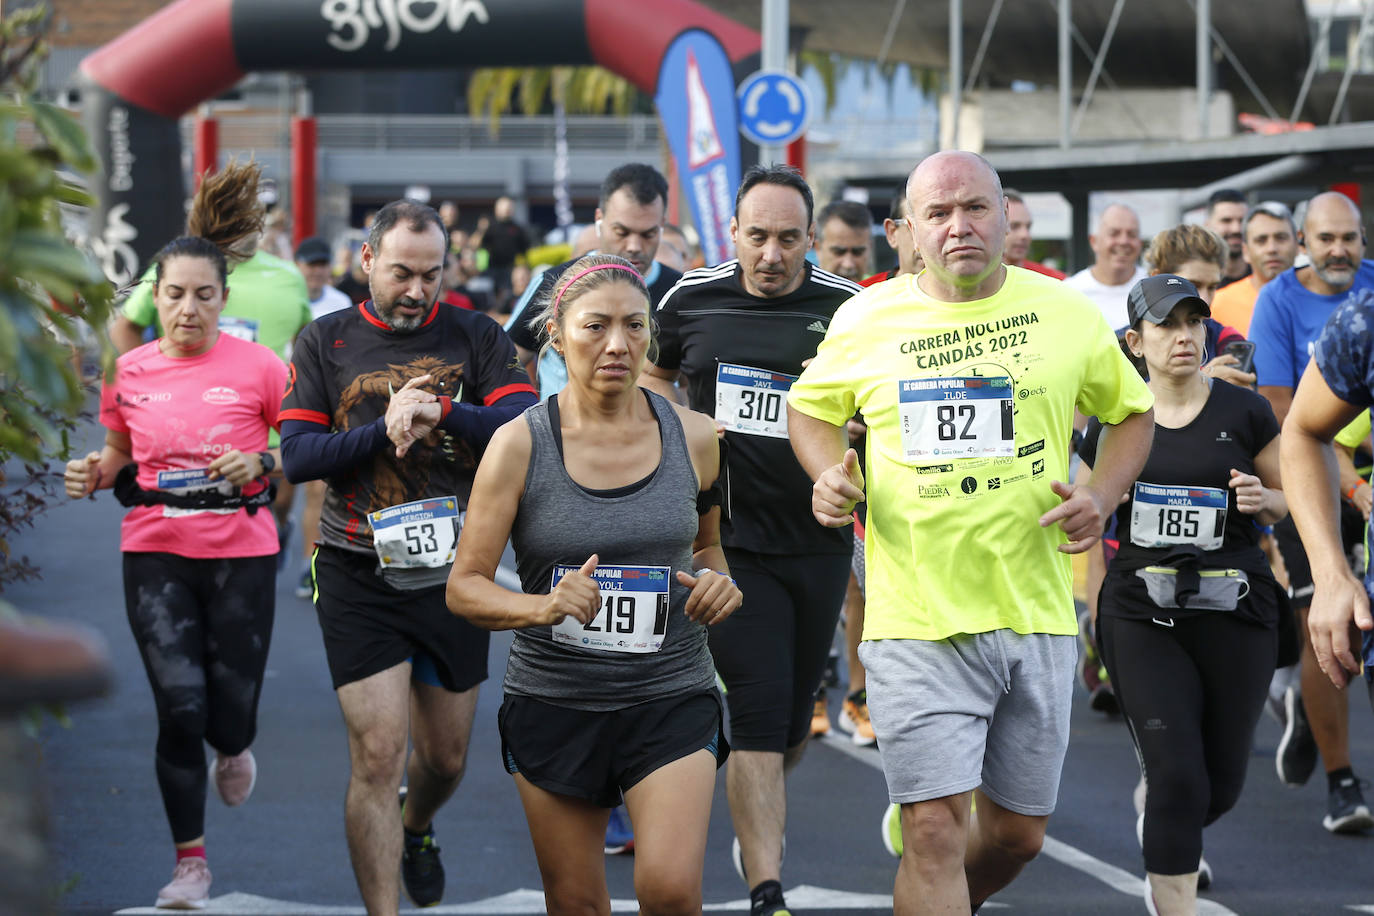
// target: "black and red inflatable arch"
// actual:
[[137, 87]]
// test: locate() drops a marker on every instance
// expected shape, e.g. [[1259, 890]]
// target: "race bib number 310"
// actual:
[[633, 615], [752, 401], [956, 418], [1174, 516], [423, 533]]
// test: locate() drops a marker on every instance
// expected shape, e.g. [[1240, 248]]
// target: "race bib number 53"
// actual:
[[423, 533], [752, 401], [633, 615], [956, 418]]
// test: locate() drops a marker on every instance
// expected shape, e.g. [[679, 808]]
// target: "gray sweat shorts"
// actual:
[[984, 710]]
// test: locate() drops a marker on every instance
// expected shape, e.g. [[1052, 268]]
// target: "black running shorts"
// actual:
[[595, 756], [369, 626]]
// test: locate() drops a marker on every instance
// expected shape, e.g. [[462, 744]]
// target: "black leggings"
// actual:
[[203, 628], [1191, 694], [771, 652]]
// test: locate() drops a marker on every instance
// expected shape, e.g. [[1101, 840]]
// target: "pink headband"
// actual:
[[558, 300]]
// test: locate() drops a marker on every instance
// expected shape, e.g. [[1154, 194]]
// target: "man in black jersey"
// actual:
[[739, 333], [392, 402], [629, 223]]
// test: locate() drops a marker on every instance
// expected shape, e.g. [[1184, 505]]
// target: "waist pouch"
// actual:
[[129, 493], [1196, 589], [411, 579]]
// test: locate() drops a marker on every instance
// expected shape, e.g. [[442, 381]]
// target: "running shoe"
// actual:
[[620, 836], [1346, 811], [738, 858], [234, 777], [1296, 757], [820, 716], [421, 871], [305, 588], [189, 888], [854, 719], [892, 830], [1093, 674]]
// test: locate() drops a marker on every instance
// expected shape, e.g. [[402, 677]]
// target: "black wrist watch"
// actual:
[[269, 464]]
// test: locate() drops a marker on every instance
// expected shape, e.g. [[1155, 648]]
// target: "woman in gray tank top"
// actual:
[[608, 493]]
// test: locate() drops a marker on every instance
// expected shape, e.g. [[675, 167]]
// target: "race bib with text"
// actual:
[[188, 481], [1168, 516], [419, 534], [634, 610], [956, 418], [242, 328], [752, 401]]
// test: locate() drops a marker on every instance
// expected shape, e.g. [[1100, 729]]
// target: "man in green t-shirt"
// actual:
[[968, 375]]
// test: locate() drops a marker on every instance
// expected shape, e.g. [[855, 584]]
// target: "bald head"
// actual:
[[1334, 237], [1116, 245], [959, 222], [960, 160]]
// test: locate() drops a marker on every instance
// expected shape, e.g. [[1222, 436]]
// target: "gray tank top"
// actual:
[[560, 523]]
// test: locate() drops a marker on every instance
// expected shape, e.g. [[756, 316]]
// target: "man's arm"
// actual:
[[1280, 397], [823, 451], [124, 334], [1339, 601], [1121, 454], [661, 381]]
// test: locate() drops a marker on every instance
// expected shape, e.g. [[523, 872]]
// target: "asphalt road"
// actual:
[[284, 852]]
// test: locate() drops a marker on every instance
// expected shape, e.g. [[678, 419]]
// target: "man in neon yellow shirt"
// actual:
[[968, 375]]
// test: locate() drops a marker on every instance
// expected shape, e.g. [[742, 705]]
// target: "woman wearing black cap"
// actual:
[[1188, 610]]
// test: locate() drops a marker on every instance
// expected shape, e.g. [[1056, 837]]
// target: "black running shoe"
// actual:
[[1346, 811], [1296, 756], [421, 871]]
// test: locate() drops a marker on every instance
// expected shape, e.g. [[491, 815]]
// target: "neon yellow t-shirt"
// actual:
[[268, 303], [969, 409], [1354, 434]]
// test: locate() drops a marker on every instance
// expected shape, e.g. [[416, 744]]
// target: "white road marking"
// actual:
[[1116, 878]]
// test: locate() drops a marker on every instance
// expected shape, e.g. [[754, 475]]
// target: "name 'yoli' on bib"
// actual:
[[634, 610], [957, 418], [420, 534], [752, 401], [1167, 516]]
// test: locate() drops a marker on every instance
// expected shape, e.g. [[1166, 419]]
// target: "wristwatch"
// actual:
[[269, 464]]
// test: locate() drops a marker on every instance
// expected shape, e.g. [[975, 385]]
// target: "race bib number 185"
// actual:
[[956, 418], [633, 615], [1163, 516]]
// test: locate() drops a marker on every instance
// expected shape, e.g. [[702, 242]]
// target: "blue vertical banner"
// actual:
[[697, 106]]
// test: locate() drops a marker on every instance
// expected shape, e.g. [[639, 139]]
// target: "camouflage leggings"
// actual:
[[203, 629]]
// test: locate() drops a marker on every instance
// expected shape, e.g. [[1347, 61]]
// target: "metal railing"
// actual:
[[638, 134]]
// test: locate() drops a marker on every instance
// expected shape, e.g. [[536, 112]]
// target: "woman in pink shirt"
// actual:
[[187, 418]]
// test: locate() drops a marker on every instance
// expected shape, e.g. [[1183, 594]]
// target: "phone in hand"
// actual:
[[1244, 352]]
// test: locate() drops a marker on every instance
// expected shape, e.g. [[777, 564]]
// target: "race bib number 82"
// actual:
[[956, 418]]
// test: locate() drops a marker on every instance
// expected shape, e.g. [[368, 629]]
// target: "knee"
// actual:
[[443, 764], [668, 896], [184, 717], [1019, 839], [932, 835], [378, 757]]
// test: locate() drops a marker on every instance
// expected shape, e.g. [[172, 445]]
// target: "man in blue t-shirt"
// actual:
[[1326, 400], [1289, 316]]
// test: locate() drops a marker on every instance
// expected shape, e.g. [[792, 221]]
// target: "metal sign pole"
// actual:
[[774, 57]]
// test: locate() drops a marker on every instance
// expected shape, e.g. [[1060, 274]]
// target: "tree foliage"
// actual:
[[46, 282], [497, 91]]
